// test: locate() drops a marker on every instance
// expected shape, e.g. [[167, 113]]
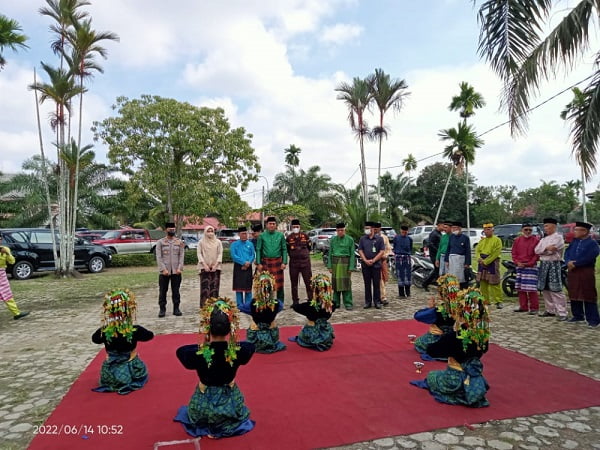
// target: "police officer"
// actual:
[[298, 247], [169, 257]]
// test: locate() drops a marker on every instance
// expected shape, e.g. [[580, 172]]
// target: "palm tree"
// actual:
[[466, 102], [65, 13], [292, 159], [409, 163], [10, 37], [515, 41], [387, 94], [357, 97]]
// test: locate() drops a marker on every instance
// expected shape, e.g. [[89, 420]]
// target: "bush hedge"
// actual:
[[148, 259]]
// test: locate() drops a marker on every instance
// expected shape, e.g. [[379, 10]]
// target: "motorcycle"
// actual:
[[422, 267], [510, 277]]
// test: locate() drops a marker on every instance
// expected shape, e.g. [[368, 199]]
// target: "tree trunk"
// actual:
[[467, 188], [363, 170], [437, 214], [379, 178]]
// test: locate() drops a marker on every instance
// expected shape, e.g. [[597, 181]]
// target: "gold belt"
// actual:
[[203, 387], [435, 330], [454, 364]]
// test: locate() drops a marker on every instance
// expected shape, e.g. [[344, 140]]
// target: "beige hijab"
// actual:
[[210, 250]]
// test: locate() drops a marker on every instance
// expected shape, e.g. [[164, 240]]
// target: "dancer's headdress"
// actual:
[[213, 310], [322, 292], [263, 290], [472, 320], [448, 287], [119, 314]]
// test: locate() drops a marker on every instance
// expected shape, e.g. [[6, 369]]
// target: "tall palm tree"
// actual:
[[292, 159], [409, 163], [65, 13], [387, 94], [466, 103], [357, 97], [515, 41], [10, 37]]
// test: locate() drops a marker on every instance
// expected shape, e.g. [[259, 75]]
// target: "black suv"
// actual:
[[510, 231], [32, 249]]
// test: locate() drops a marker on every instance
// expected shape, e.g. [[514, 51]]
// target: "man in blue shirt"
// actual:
[[371, 249], [581, 258], [243, 255], [459, 254], [402, 246]]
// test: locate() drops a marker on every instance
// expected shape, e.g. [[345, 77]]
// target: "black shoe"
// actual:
[[378, 306], [426, 287], [546, 314], [366, 306], [349, 308], [161, 313], [176, 312], [519, 310], [21, 315], [385, 302]]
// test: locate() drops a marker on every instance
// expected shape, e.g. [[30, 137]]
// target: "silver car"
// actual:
[[319, 237]]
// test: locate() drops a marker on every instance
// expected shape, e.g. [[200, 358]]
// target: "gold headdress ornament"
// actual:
[[227, 306], [119, 314], [322, 292], [263, 289], [472, 320], [448, 287], [488, 225]]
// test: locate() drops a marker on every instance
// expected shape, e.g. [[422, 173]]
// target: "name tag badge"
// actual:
[[373, 249]]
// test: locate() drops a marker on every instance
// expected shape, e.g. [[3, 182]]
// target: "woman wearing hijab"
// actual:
[[210, 257], [217, 407], [122, 371]]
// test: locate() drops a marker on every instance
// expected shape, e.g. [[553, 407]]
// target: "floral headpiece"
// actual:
[[448, 287], [228, 307], [322, 292], [119, 314], [263, 287], [472, 318]]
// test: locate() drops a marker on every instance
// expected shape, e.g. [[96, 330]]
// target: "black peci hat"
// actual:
[[340, 225], [271, 219], [170, 225], [550, 220], [587, 226], [295, 222], [242, 229]]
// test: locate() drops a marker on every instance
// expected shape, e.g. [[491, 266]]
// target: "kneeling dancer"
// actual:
[[122, 371], [263, 331], [462, 383], [318, 332], [217, 407]]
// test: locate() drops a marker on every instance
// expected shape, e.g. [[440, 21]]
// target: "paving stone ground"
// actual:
[[39, 364]]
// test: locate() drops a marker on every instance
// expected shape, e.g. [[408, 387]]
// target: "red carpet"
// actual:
[[302, 399]]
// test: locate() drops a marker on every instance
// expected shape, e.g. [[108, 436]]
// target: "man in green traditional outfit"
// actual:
[[271, 254], [441, 258], [341, 262], [487, 254]]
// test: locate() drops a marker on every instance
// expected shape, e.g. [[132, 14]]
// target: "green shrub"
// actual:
[[148, 259]]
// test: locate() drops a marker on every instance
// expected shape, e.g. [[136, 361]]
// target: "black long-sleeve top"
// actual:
[[220, 372], [310, 312], [120, 343], [265, 316], [449, 345]]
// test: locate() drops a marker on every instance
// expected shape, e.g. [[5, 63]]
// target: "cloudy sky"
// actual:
[[273, 66]]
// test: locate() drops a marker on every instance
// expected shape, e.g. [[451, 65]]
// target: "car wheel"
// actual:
[[22, 270], [96, 264]]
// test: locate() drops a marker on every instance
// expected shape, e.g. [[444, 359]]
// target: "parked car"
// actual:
[[227, 236], [420, 233], [191, 242], [389, 232], [509, 231], [475, 235], [319, 237], [91, 235], [568, 234], [130, 240], [32, 249]]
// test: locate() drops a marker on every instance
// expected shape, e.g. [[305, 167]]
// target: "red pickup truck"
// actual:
[[130, 240]]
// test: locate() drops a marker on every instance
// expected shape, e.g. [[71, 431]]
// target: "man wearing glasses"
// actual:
[[524, 256]]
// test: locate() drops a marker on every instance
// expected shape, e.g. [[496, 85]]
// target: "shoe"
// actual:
[[426, 288], [176, 312], [574, 320], [562, 318], [349, 308], [161, 313], [499, 305], [385, 302], [533, 312], [596, 325], [366, 306], [519, 310], [378, 306], [21, 315], [546, 314]]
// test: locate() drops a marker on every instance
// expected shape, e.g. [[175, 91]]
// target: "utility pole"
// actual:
[[262, 207]]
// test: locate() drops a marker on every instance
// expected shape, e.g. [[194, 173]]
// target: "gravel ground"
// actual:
[[39, 364]]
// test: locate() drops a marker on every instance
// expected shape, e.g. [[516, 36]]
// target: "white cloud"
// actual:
[[341, 33]]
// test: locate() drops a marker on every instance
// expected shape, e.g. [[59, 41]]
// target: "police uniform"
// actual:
[[298, 246], [169, 256]]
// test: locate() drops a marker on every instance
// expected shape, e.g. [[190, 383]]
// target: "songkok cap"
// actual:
[[488, 225], [526, 225], [369, 224], [550, 220], [271, 219], [377, 224], [295, 222], [242, 229], [340, 225], [257, 227], [587, 226], [170, 225], [404, 227], [456, 224]]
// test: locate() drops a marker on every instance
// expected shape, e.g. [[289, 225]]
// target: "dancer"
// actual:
[[462, 383], [318, 332], [217, 407], [263, 331], [439, 318], [6, 294], [122, 371]]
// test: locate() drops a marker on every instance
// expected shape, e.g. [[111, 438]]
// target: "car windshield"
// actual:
[[111, 235]]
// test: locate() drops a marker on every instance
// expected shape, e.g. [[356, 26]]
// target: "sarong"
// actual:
[[265, 338], [433, 335], [582, 284], [463, 385], [340, 273], [403, 269], [319, 336], [219, 411], [456, 267], [209, 284], [273, 266], [5, 291], [489, 273], [122, 374], [549, 277], [527, 279], [242, 279]]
